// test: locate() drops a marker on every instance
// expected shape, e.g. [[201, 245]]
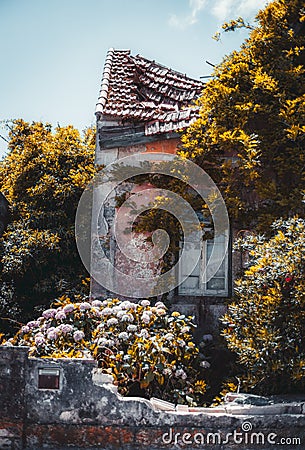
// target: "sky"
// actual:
[[52, 51]]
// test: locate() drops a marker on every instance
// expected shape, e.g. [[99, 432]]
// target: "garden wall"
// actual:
[[67, 403]]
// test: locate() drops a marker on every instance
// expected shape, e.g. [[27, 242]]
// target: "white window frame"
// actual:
[[203, 289]]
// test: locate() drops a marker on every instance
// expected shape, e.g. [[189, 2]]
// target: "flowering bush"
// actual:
[[265, 327], [141, 345]]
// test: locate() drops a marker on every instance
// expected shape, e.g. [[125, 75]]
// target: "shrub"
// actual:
[[265, 327], [146, 349]]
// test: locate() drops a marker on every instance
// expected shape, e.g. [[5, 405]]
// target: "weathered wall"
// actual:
[[206, 309], [86, 412]]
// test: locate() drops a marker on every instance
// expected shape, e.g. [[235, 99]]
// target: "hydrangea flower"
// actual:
[[25, 329], [78, 335], [145, 318], [52, 335], [160, 312], [97, 303], [106, 311], [39, 339], [49, 313], [68, 308], [84, 306], [33, 324], [60, 315], [123, 336], [127, 318], [66, 328], [144, 334], [145, 303], [112, 321]]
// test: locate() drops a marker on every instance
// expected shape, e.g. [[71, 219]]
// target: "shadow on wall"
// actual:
[[4, 213]]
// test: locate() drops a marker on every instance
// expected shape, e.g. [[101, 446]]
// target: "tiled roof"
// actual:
[[138, 89]]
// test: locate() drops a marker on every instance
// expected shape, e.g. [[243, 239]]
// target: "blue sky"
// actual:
[[52, 51]]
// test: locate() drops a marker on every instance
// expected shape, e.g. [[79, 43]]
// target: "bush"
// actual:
[[265, 327], [147, 350]]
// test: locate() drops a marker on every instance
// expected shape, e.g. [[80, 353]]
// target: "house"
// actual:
[[142, 108]]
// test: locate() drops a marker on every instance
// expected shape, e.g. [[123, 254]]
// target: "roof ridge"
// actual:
[[102, 98]]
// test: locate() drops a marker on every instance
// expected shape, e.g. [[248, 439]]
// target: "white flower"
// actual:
[[181, 342], [33, 324], [205, 364], [160, 305], [185, 329], [169, 337], [145, 318], [145, 303], [106, 311], [144, 334], [97, 303], [96, 311], [167, 371], [123, 336], [84, 306], [180, 373], [160, 312], [126, 305], [127, 318], [102, 342], [112, 321], [132, 328], [25, 329]]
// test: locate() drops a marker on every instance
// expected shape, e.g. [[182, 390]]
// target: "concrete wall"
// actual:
[[86, 412]]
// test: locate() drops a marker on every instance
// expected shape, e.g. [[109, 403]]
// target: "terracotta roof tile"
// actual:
[[136, 88]]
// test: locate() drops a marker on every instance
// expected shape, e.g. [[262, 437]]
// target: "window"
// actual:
[[48, 378], [204, 280]]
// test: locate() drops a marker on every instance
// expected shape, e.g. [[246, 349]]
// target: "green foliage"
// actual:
[[250, 135], [42, 176], [139, 344], [265, 326]]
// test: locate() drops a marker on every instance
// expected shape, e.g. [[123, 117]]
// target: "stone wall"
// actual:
[[85, 411]]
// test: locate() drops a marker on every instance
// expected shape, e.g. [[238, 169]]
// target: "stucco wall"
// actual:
[[86, 412]]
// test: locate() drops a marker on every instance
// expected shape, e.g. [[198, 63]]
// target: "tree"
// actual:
[[250, 134], [42, 176], [265, 326]]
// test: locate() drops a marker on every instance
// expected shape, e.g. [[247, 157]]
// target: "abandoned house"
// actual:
[[142, 108]]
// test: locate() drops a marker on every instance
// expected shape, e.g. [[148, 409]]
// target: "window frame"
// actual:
[[203, 290]]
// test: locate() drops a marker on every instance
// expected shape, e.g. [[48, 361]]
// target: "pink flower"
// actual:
[[78, 335], [68, 308], [49, 313], [60, 315], [52, 335]]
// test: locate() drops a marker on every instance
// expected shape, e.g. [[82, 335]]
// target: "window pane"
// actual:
[[190, 283], [217, 284]]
